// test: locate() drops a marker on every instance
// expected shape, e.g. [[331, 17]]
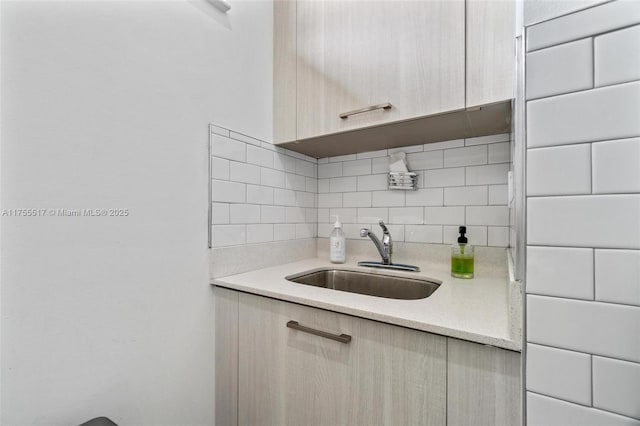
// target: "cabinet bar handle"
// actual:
[[343, 338], [385, 105]]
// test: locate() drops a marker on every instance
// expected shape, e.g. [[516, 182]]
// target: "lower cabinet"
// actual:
[[268, 373]]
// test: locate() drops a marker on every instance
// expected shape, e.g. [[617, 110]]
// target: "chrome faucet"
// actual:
[[385, 248]]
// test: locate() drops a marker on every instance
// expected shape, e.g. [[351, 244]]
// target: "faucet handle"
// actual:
[[383, 226]]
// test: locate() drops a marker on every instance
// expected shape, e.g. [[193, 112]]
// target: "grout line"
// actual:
[[582, 405], [593, 252], [597, 194], [557, 95], [583, 300], [591, 371], [593, 61], [627, 138], [560, 43]]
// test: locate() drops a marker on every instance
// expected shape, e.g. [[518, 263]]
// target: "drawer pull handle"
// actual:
[[385, 105], [343, 338]]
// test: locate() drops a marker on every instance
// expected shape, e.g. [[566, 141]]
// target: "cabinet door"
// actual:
[[483, 385], [355, 54], [491, 57], [384, 375], [226, 357]]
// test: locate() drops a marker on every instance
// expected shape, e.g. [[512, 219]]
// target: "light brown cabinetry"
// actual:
[[270, 374], [356, 54], [430, 60]]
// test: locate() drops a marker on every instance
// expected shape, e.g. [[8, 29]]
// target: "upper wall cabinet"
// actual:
[[355, 55], [353, 76], [490, 51]]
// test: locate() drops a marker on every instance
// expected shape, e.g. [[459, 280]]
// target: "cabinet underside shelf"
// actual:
[[473, 122]]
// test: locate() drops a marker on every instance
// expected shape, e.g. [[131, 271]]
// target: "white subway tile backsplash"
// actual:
[[352, 230], [605, 113], [559, 373], [380, 165], [343, 184], [469, 156], [305, 199], [373, 215], [357, 167], [219, 168], [244, 138], [602, 221], [560, 69], [295, 182], [217, 130], [499, 152], [592, 21], [219, 213], [329, 170], [560, 271], [488, 215], [311, 185], [244, 213], [617, 56], [456, 143], [259, 233], [283, 232], [284, 163], [407, 215], [484, 175], [406, 149], [372, 182], [295, 215], [498, 194], [423, 233], [228, 235], [425, 160], [306, 230], [599, 328], [616, 386], [259, 194], [243, 172], [396, 230], [498, 236], [425, 197], [618, 276], [284, 197], [229, 192], [466, 196], [444, 215], [356, 199], [228, 148], [616, 166], [271, 177], [330, 200], [323, 215], [306, 168], [477, 235], [260, 156], [545, 411], [340, 158], [272, 214], [387, 198], [559, 171], [311, 215], [346, 215], [444, 177], [323, 185], [503, 137]]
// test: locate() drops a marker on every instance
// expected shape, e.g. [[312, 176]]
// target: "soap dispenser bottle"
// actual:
[[462, 256], [337, 248]]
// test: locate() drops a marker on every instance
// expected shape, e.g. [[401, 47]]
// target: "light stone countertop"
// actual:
[[479, 310]]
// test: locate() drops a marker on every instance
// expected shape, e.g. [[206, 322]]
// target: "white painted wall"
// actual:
[[105, 104]]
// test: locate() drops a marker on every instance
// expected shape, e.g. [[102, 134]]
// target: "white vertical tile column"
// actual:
[[583, 218]]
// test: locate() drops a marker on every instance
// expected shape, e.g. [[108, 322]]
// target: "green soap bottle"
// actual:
[[462, 257]]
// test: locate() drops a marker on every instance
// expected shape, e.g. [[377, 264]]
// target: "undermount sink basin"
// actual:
[[379, 285]]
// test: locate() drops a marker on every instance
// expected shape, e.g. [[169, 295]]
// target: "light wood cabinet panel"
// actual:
[[385, 375], [491, 59], [284, 71], [354, 54], [483, 385], [226, 357]]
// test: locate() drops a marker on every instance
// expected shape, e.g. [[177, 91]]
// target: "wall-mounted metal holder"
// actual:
[[403, 180]]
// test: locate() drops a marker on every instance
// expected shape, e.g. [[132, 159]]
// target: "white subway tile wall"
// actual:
[[583, 217], [461, 182], [260, 193]]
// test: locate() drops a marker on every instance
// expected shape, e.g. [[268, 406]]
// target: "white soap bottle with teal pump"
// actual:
[[337, 246]]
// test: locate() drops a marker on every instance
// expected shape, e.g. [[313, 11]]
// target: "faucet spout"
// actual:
[[385, 247]]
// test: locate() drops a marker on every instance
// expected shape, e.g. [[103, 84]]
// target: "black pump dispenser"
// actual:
[[462, 239]]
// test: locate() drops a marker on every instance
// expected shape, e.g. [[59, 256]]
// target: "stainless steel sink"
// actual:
[[380, 285]]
